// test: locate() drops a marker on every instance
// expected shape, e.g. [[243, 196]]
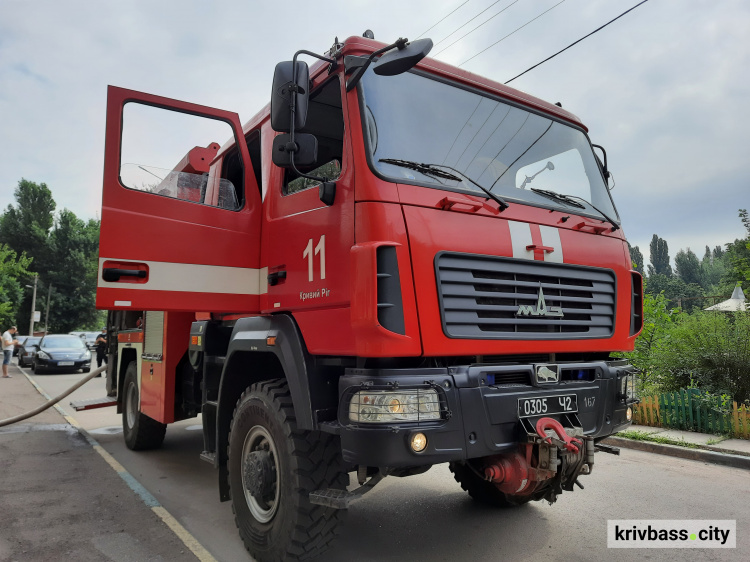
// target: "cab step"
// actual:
[[340, 499], [95, 403]]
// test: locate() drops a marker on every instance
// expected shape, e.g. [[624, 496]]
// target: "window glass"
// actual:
[[412, 120], [171, 154], [325, 120]]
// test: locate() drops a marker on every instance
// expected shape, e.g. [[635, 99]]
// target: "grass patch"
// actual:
[[637, 435]]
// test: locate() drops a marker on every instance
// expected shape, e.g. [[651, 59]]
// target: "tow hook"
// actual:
[[571, 443]]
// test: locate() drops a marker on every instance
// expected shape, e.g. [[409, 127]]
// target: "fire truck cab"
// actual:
[[394, 264]]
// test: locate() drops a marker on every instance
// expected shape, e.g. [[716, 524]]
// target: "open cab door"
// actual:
[[181, 209]]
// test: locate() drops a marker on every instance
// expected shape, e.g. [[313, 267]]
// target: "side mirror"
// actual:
[[399, 61], [305, 149], [285, 84], [393, 62]]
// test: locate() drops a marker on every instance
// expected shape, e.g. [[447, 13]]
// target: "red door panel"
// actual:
[[183, 236]]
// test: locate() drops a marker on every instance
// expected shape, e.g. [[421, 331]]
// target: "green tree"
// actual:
[[12, 268], [712, 269], [25, 227], [738, 260], [659, 257], [679, 294], [74, 247], [636, 257], [688, 267]]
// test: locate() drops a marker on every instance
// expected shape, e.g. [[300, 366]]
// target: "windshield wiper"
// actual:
[[572, 200], [568, 199], [615, 226], [435, 170]]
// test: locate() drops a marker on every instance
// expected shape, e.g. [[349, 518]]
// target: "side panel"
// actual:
[[172, 252], [169, 333]]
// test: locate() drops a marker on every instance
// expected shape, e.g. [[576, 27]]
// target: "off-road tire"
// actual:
[[305, 461], [483, 491], [141, 432]]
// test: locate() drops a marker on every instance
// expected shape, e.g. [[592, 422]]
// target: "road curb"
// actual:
[[695, 454]]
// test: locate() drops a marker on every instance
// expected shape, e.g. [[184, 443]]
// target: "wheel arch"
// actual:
[[250, 359]]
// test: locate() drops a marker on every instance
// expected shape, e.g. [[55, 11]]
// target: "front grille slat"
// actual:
[[480, 298]]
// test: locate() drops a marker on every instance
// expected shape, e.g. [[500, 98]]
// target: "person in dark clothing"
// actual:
[[101, 349]]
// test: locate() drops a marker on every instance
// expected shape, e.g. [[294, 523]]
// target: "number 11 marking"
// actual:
[[308, 253]]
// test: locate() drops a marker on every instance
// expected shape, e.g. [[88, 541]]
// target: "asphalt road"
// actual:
[[429, 517]]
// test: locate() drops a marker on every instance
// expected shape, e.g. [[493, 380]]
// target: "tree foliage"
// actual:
[[738, 259], [688, 267], [64, 249], [709, 350], [659, 257], [12, 269], [636, 257]]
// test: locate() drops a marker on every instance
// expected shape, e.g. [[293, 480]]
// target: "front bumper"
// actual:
[[477, 419], [62, 364]]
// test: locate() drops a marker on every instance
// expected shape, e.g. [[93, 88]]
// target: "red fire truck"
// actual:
[[395, 264]]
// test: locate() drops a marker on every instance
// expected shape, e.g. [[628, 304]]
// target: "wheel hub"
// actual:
[[260, 476]]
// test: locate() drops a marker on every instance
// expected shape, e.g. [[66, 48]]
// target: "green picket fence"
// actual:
[[693, 411]]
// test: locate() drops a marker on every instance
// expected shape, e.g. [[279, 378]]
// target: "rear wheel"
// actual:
[[141, 432], [273, 466], [481, 490]]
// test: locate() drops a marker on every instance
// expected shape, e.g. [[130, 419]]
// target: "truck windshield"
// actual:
[[519, 155]]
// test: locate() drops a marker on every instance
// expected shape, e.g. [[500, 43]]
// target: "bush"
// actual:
[[707, 350]]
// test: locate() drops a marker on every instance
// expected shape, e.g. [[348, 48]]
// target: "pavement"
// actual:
[[61, 498], [704, 447]]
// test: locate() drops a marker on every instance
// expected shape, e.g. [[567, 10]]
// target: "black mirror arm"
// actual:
[[291, 146], [605, 169], [355, 78]]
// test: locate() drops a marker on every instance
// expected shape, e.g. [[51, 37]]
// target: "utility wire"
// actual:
[[468, 22], [420, 35], [574, 43], [512, 32], [477, 27]]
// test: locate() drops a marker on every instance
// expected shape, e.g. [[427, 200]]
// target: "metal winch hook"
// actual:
[[548, 423]]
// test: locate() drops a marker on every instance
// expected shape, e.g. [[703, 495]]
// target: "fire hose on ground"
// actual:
[[53, 401]]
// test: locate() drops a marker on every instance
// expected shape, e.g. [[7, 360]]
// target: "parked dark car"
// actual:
[[61, 352], [90, 339], [15, 347], [27, 350]]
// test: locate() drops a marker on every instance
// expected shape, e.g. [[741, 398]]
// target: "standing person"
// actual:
[[101, 349], [9, 342]]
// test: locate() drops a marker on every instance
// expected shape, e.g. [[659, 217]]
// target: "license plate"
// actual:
[[65, 363], [546, 405]]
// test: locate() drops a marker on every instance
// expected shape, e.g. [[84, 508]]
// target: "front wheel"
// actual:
[[141, 432], [273, 467], [481, 490]]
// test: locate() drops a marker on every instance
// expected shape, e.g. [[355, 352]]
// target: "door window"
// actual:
[[174, 155], [325, 120]]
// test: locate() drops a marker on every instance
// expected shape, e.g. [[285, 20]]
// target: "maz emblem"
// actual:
[[541, 308], [546, 375]]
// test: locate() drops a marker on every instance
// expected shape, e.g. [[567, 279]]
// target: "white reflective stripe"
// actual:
[[123, 303], [193, 278], [551, 238], [254, 335], [520, 237]]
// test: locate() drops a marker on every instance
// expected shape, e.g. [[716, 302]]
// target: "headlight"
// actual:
[[86, 355], [385, 406], [42, 355]]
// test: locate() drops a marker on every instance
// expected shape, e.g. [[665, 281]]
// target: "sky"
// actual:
[[664, 89]]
